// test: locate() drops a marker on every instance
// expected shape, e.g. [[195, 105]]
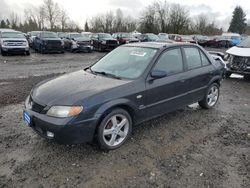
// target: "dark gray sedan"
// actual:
[[133, 83]]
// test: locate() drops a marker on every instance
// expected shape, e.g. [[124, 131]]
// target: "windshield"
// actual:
[[235, 38], [105, 35], [12, 35], [125, 62], [245, 43], [186, 38], [153, 37], [127, 35], [87, 35], [48, 35], [34, 33], [75, 35], [163, 37]]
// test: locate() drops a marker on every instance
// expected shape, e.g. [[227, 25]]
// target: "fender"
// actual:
[[214, 79], [118, 102]]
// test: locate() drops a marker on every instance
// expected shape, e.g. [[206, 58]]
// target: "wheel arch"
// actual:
[[124, 104]]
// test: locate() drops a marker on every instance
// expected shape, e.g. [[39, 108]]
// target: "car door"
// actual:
[[162, 93], [199, 72]]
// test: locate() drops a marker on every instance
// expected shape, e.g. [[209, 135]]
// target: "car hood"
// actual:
[[14, 39], [71, 88], [108, 39], [238, 51], [81, 39], [51, 39], [131, 39]]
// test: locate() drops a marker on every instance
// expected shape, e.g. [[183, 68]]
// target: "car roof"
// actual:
[[159, 45]]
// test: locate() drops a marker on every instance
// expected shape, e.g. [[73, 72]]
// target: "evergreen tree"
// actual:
[[3, 24], [238, 22], [86, 27]]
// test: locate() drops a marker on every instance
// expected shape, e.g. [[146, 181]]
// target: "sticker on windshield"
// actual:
[[137, 53]]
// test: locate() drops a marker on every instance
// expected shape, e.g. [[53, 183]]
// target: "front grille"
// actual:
[[114, 42], [239, 63], [84, 43], [54, 44], [16, 43], [34, 106]]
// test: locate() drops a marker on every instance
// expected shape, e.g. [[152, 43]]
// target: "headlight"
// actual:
[[62, 42], [64, 111], [24, 43], [5, 43], [104, 42]]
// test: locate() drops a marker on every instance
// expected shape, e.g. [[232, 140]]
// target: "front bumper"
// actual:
[[82, 48], [65, 130], [19, 49]]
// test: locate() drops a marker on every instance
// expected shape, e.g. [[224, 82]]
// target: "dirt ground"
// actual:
[[191, 147]]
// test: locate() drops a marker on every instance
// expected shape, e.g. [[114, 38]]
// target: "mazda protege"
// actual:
[[132, 84]]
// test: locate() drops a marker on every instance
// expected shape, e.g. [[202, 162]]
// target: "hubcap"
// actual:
[[212, 96], [116, 130]]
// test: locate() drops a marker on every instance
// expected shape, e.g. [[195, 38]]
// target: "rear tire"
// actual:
[[211, 98], [114, 129]]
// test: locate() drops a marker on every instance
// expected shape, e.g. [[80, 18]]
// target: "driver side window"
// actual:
[[170, 62]]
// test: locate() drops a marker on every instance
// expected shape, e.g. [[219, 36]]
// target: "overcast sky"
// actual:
[[80, 10]]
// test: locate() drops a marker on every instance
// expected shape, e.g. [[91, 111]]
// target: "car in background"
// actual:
[[124, 38], [130, 85], [13, 42], [239, 59], [31, 36], [148, 37], [61, 35], [182, 38], [219, 42], [235, 38], [163, 36], [201, 40], [46, 42], [103, 42], [76, 42], [87, 34]]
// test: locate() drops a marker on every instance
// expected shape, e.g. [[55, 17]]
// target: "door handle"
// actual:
[[183, 80]]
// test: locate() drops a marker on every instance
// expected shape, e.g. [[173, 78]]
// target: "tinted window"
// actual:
[[170, 61], [193, 58], [204, 59]]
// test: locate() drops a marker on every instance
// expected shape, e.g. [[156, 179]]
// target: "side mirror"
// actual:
[[156, 74]]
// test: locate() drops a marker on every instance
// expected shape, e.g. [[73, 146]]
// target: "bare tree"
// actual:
[[13, 20], [162, 10], [63, 19], [178, 19], [109, 21], [52, 12]]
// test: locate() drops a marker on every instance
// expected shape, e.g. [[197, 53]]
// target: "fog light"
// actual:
[[50, 134]]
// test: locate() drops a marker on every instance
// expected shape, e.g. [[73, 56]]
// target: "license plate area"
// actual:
[[26, 118]]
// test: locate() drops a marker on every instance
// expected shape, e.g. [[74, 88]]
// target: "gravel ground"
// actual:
[[191, 147]]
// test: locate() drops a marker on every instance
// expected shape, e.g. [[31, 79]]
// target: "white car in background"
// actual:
[[239, 59], [13, 42]]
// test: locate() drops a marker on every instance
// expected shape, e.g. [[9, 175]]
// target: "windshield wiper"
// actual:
[[106, 74]]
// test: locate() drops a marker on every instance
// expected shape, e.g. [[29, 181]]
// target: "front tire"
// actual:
[[211, 97], [114, 129]]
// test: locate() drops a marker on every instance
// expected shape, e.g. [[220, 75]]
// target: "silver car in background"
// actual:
[[13, 42]]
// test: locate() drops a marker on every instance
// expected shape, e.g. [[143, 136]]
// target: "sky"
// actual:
[[80, 10]]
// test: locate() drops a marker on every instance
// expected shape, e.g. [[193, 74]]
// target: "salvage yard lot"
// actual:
[[191, 147]]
